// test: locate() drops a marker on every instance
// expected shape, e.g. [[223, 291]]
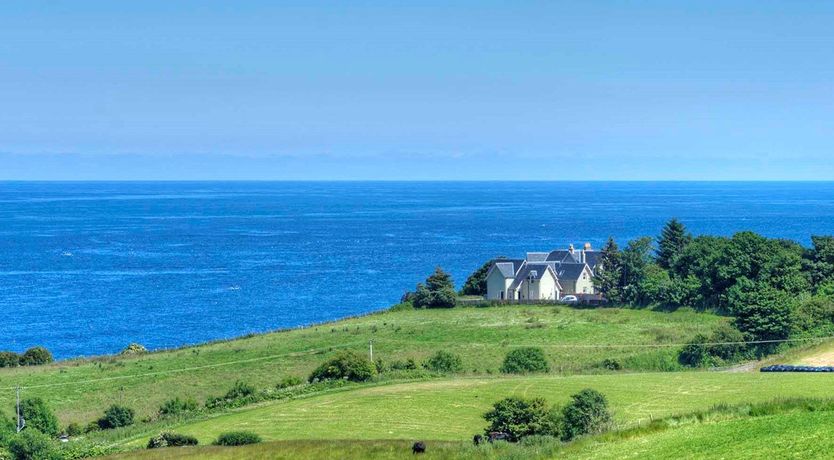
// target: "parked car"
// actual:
[[570, 299]]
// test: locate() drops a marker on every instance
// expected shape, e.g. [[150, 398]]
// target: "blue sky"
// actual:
[[417, 90]]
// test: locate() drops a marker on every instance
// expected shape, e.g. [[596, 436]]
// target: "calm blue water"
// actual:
[[86, 268]]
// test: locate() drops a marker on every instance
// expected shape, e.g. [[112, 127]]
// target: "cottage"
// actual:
[[544, 275]]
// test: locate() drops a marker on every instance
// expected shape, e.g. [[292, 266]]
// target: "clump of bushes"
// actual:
[[611, 364], [525, 360], [35, 356], [345, 365], [170, 439], [290, 381], [39, 416], [238, 395], [444, 361], [177, 406], [74, 429], [237, 438], [722, 347], [438, 292], [587, 413], [521, 418], [9, 359], [32, 445], [134, 349], [407, 365], [116, 416]]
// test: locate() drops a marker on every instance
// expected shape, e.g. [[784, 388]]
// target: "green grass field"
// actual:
[[80, 390], [452, 410]]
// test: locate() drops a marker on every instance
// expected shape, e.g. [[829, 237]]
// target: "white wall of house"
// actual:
[[585, 283], [497, 284], [540, 289]]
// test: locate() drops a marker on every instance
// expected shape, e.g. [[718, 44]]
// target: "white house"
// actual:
[[543, 275]]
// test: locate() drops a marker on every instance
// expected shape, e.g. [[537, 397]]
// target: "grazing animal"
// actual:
[[419, 447], [477, 440]]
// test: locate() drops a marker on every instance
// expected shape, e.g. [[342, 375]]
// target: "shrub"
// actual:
[[520, 417], [721, 347], [237, 438], [240, 390], [116, 416], [74, 429], [7, 429], [134, 349], [9, 359], [170, 439], [345, 365], [438, 292], [611, 364], [444, 361], [240, 393], [407, 365], [586, 414], [525, 360], [35, 356], [32, 445], [177, 406], [291, 381], [39, 416]]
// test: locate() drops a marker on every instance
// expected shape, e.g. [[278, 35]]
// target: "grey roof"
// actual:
[[508, 267], [592, 258], [569, 271], [564, 256], [537, 256], [530, 270]]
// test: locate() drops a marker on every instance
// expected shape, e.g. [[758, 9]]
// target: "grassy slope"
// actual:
[[452, 409], [806, 435], [481, 336]]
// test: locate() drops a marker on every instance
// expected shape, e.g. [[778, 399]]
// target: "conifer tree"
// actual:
[[673, 239], [609, 273]]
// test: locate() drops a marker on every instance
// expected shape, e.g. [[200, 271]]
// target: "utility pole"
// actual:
[[371, 349], [20, 422]]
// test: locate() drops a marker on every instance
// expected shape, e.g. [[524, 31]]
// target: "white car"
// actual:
[[569, 299]]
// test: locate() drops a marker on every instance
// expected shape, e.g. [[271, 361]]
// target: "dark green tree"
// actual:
[[520, 417], [438, 292], [761, 312], [35, 356], [636, 258], [476, 284], [39, 416], [525, 360], [822, 260], [608, 276], [587, 413], [116, 416], [346, 365], [671, 243]]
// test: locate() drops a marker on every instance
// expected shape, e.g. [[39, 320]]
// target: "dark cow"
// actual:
[[498, 436], [419, 447], [477, 440]]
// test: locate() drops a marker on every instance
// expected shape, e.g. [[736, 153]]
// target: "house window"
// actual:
[[502, 295]]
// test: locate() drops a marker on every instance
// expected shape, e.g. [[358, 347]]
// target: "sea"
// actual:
[[88, 267]]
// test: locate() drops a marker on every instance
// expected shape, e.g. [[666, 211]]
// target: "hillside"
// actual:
[[575, 341]]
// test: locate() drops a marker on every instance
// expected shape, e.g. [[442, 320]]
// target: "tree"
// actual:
[[525, 360], [586, 414], [32, 445], [476, 284], [822, 260], [520, 417], [444, 361], [438, 292], [35, 356], [609, 274], [39, 416], [635, 258], [671, 243], [116, 416], [762, 312], [345, 365], [9, 359]]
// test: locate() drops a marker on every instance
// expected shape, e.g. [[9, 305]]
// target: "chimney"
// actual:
[[587, 246], [570, 248]]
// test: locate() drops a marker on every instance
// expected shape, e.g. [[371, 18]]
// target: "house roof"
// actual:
[[564, 256], [570, 272], [592, 258], [537, 256], [508, 267], [532, 270]]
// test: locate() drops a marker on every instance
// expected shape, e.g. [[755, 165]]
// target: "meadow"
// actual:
[[575, 340]]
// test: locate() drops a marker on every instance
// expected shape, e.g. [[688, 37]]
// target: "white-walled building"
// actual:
[[543, 275]]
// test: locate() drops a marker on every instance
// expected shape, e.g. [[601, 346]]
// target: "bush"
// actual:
[[611, 364], [444, 361], [345, 365], [240, 390], [717, 349], [525, 360], [39, 416], [74, 429], [169, 439], [177, 406], [35, 356], [9, 359], [520, 417], [134, 349], [239, 394], [407, 365], [291, 381], [7, 429], [586, 414], [438, 292], [116, 416], [32, 445], [237, 438]]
